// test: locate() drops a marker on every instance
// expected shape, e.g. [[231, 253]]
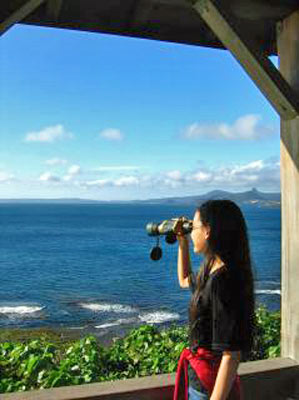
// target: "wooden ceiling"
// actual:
[[166, 20]]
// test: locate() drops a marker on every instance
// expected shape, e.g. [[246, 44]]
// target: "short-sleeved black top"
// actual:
[[220, 324]]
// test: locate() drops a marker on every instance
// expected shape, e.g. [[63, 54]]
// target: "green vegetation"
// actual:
[[42, 363], [22, 335], [267, 337]]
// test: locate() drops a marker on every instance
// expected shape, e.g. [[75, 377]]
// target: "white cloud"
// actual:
[[55, 162], [117, 168], [246, 127], [99, 183], [202, 176], [251, 167], [6, 177], [112, 134], [126, 181], [74, 170], [48, 135], [48, 177], [264, 174], [261, 173], [175, 175], [119, 182]]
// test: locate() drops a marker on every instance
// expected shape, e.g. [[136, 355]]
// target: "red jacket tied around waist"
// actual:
[[206, 365]]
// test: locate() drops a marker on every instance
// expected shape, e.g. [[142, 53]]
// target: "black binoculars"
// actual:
[[168, 228]]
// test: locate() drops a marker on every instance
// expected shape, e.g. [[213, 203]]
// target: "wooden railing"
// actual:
[[273, 379]]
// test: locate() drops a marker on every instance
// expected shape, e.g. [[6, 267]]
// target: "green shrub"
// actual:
[[267, 335], [144, 351]]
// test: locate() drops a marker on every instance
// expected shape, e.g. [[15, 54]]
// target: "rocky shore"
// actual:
[[55, 335]]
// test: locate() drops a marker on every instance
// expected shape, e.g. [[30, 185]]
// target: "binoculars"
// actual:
[[168, 228]]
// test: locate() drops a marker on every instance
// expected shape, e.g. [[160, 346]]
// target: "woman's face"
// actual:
[[199, 234]]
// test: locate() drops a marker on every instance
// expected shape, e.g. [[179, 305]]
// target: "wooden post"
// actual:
[[53, 8], [27, 8], [288, 48]]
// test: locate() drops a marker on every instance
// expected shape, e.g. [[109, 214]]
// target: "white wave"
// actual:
[[117, 308], [108, 325], [277, 283], [268, 291], [158, 317], [116, 323], [21, 310], [77, 327]]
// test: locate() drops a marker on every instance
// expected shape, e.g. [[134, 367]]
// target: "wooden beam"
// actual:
[[27, 8], [53, 8], [139, 13], [288, 49], [262, 71]]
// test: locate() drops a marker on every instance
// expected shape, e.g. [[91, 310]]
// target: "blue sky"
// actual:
[[107, 117]]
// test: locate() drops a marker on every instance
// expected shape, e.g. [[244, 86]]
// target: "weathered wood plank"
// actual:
[[19, 15], [260, 68], [53, 8], [288, 47]]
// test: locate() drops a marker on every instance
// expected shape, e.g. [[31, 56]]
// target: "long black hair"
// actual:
[[228, 240]]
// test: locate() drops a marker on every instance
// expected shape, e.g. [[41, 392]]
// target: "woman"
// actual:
[[221, 312]]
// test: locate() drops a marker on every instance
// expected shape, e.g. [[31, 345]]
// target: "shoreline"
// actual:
[[63, 334], [60, 335]]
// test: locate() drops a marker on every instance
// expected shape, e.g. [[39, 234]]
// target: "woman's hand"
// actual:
[[184, 263], [178, 230]]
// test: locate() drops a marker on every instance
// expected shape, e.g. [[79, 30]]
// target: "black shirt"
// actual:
[[220, 323]]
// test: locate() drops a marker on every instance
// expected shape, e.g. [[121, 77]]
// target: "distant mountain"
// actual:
[[252, 197], [51, 201]]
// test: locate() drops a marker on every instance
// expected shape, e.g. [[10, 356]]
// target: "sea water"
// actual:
[[87, 266]]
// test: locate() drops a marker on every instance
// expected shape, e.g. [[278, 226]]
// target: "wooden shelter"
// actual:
[[251, 30]]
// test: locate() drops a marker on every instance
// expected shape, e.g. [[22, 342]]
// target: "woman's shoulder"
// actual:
[[220, 274], [222, 280]]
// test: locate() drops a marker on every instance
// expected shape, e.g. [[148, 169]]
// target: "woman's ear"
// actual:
[[207, 232]]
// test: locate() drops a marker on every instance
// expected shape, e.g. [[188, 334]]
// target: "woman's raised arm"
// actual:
[[184, 263]]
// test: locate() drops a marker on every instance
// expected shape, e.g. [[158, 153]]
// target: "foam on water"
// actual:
[[267, 282], [116, 323], [77, 327], [158, 317], [117, 308], [20, 310], [268, 291], [107, 325]]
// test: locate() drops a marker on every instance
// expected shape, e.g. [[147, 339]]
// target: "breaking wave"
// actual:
[[117, 308], [116, 323], [268, 291], [158, 317], [20, 310]]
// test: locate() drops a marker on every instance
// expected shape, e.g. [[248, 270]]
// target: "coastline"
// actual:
[[62, 335], [59, 335]]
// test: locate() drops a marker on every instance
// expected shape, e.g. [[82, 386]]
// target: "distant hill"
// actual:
[[51, 201], [252, 197]]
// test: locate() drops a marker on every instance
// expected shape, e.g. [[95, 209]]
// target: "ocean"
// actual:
[[87, 267]]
